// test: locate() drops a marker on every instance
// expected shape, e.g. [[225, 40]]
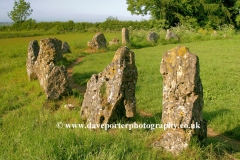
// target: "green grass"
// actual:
[[16, 91], [28, 123], [219, 74]]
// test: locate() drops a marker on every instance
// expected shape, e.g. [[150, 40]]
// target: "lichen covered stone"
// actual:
[[182, 99], [114, 41], [125, 36], [33, 49], [171, 35], [91, 45], [98, 41], [53, 79], [174, 141], [57, 83], [111, 94], [65, 48], [152, 37]]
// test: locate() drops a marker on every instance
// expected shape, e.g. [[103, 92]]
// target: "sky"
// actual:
[[76, 10]]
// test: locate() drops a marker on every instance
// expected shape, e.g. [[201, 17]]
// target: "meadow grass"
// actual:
[[28, 123], [219, 74]]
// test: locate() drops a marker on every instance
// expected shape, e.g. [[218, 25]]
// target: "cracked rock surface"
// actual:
[[182, 99], [111, 94], [98, 41], [152, 37], [125, 36], [41, 65]]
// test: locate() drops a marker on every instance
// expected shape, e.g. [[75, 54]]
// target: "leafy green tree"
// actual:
[[236, 8], [110, 18], [21, 10], [202, 12]]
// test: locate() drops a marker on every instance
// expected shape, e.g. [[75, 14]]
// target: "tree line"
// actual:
[[164, 14], [71, 26], [210, 13]]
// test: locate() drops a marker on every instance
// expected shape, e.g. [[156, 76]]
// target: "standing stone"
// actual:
[[152, 37], [91, 45], [50, 50], [125, 36], [57, 83], [111, 93], [53, 79], [49, 54], [114, 41], [65, 47], [171, 35], [182, 100], [98, 41], [33, 49]]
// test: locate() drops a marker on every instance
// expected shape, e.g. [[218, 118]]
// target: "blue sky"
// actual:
[[76, 10]]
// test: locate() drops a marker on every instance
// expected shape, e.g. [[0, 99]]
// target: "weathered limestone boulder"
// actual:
[[69, 107], [53, 79], [33, 49], [65, 47], [111, 93], [98, 41], [91, 45], [171, 35], [57, 83], [152, 37], [125, 36], [182, 100], [114, 41]]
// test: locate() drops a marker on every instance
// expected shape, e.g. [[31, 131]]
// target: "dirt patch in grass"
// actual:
[[144, 114], [101, 50], [229, 142], [79, 88]]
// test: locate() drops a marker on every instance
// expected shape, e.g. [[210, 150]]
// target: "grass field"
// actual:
[[28, 123], [219, 73]]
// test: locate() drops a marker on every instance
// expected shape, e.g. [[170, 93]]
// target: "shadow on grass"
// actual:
[[234, 133], [139, 45], [209, 116], [227, 141], [220, 143], [137, 88], [147, 118], [83, 78], [224, 143]]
